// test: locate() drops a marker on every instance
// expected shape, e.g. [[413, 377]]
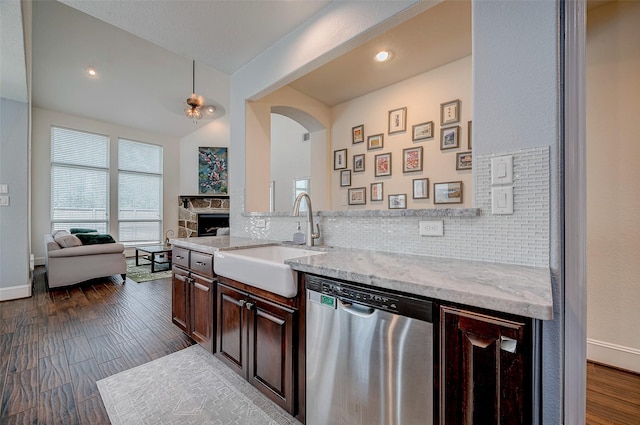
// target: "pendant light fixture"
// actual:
[[195, 102]]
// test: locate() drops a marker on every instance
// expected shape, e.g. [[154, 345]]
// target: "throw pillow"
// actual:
[[59, 232], [75, 230], [66, 240], [94, 238]]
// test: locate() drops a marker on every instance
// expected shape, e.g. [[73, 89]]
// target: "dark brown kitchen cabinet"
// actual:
[[255, 337], [485, 369], [193, 287]]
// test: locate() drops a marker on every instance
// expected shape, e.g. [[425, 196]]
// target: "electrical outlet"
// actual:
[[4, 188], [4, 201], [261, 222], [432, 228]]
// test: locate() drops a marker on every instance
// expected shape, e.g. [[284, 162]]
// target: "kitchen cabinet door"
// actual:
[[485, 372], [202, 290], [231, 328], [271, 350], [180, 299]]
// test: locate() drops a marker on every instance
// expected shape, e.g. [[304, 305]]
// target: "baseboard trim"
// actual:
[[15, 292], [615, 355]]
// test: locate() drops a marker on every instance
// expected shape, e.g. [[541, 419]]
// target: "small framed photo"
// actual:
[[450, 112], [447, 193], [357, 134], [421, 188], [358, 163], [449, 137], [412, 159], [345, 178], [376, 191], [423, 131], [357, 196], [397, 120], [375, 141], [464, 161], [398, 202], [383, 164], [340, 159], [469, 135]]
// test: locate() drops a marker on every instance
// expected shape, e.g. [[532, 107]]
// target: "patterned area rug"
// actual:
[[142, 273], [188, 387]]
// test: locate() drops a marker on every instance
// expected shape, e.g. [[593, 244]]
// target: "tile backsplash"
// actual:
[[521, 238]]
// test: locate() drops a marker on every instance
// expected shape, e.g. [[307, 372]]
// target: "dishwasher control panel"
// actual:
[[378, 299]]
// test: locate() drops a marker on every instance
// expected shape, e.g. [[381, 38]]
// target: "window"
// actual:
[[79, 180], [299, 186], [139, 193]]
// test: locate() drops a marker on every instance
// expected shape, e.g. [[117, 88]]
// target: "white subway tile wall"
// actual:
[[521, 238]]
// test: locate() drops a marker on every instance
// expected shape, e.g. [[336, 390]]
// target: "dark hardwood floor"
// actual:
[[55, 345], [613, 396]]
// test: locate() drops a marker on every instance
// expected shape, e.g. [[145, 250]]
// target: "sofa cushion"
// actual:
[[75, 230], [59, 232], [66, 240], [94, 239]]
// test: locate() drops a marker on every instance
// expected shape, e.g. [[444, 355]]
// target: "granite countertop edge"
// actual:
[[507, 288]]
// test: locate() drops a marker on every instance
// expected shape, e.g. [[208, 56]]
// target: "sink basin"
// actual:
[[262, 267]]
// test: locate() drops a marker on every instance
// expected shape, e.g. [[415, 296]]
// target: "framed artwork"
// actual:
[[357, 134], [376, 191], [382, 163], [397, 120], [464, 161], [357, 196], [421, 188], [450, 112], [398, 202], [358, 163], [469, 135], [449, 137], [375, 141], [213, 174], [412, 159], [345, 178], [340, 159], [423, 131], [447, 193]]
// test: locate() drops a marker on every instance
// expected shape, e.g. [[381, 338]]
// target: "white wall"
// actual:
[[613, 198], [42, 121], [422, 96], [290, 159], [215, 134], [14, 225]]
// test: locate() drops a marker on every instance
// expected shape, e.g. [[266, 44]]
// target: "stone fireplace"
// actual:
[[202, 215]]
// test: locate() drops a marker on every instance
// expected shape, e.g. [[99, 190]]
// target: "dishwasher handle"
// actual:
[[356, 309]]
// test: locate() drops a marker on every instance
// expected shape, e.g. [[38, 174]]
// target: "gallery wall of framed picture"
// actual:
[[390, 148]]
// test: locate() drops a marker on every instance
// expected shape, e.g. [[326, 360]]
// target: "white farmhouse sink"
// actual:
[[262, 267]]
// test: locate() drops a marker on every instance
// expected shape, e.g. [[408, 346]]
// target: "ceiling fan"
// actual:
[[194, 107]]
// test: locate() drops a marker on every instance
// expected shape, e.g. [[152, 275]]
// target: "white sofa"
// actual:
[[68, 266]]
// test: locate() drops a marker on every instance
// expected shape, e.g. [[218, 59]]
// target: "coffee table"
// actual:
[[154, 255]]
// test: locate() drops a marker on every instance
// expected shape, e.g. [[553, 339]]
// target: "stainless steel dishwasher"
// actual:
[[369, 356]]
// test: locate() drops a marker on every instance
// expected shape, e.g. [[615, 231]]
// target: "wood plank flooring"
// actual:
[[56, 345]]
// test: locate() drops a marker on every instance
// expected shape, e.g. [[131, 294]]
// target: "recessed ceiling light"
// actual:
[[91, 71], [211, 109], [383, 56]]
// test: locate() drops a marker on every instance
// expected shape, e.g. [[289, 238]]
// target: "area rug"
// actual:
[[142, 273], [188, 387]]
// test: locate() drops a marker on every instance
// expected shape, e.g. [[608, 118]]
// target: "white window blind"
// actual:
[[302, 185], [139, 192], [79, 180]]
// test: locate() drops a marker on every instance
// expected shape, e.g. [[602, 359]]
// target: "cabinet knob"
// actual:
[[179, 257], [249, 306], [200, 263]]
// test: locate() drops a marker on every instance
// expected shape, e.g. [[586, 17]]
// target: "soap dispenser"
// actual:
[[298, 236]]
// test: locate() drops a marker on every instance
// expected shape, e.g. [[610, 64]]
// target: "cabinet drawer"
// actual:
[[180, 257], [202, 263]]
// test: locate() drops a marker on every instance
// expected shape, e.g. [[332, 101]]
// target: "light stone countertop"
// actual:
[[521, 290]]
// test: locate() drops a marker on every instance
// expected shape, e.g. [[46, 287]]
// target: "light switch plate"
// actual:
[[4, 188], [502, 200], [261, 222], [432, 228], [4, 201], [502, 170]]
